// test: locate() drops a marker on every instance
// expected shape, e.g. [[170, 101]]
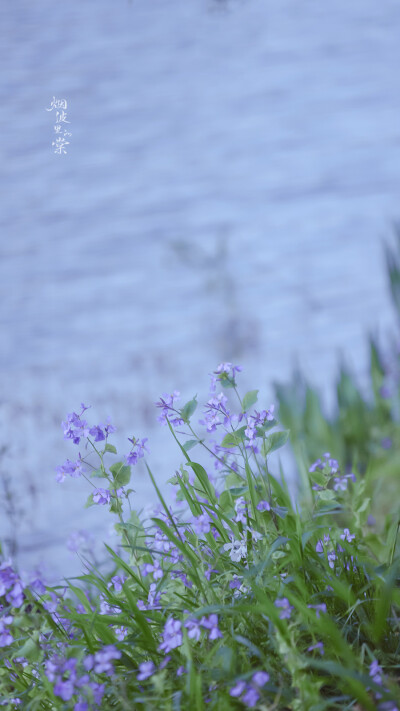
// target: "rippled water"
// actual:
[[232, 171]]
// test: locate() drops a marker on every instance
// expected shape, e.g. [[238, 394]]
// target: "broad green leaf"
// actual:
[[280, 511], [203, 479], [249, 400], [188, 409], [98, 473], [233, 439], [238, 490], [110, 448], [327, 495], [190, 444], [276, 440], [121, 473], [89, 501]]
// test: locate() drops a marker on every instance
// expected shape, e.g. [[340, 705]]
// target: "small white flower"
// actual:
[[256, 536], [238, 549]]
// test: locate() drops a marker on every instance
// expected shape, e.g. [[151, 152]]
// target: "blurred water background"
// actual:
[[232, 173]]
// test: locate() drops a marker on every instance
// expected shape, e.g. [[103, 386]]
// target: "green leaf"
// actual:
[[233, 439], [188, 409], [225, 501], [204, 480], [327, 494], [238, 490], [98, 474], [249, 400], [31, 649], [89, 501], [280, 511], [276, 440], [121, 474], [190, 444], [110, 448], [234, 479]]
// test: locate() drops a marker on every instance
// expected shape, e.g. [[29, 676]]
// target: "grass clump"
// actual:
[[236, 596]]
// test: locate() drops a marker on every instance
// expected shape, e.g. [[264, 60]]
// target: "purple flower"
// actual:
[[81, 706], [181, 670], [118, 581], [347, 536], [5, 637], [201, 524], [121, 633], [375, 672], [172, 635], [103, 659], [137, 452], [250, 432], [101, 496], [97, 433], [211, 624], [64, 689], [286, 608], [194, 629], [318, 608], [260, 417], [386, 443], [241, 510], [98, 691], [263, 506], [318, 646], [209, 571], [238, 688], [146, 669], [73, 469], [166, 403], [260, 678], [251, 697], [331, 559], [75, 428], [317, 465]]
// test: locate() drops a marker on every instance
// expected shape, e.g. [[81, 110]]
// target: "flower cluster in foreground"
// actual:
[[233, 596]]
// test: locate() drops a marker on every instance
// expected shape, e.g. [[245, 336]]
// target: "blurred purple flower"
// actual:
[[146, 669], [285, 607], [172, 635]]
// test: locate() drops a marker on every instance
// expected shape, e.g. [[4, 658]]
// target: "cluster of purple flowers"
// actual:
[[6, 637], [76, 429], [104, 496], [250, 692], [225, 371], [194, 627], [137, 451], [172, 635], [216, 413], [11, 585], [169, 412], [332, 554], [69, 468], [63, 673], [340, 481], [254, 421], [376, 674]]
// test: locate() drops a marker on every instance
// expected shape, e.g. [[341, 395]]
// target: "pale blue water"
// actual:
[[232, 172]]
